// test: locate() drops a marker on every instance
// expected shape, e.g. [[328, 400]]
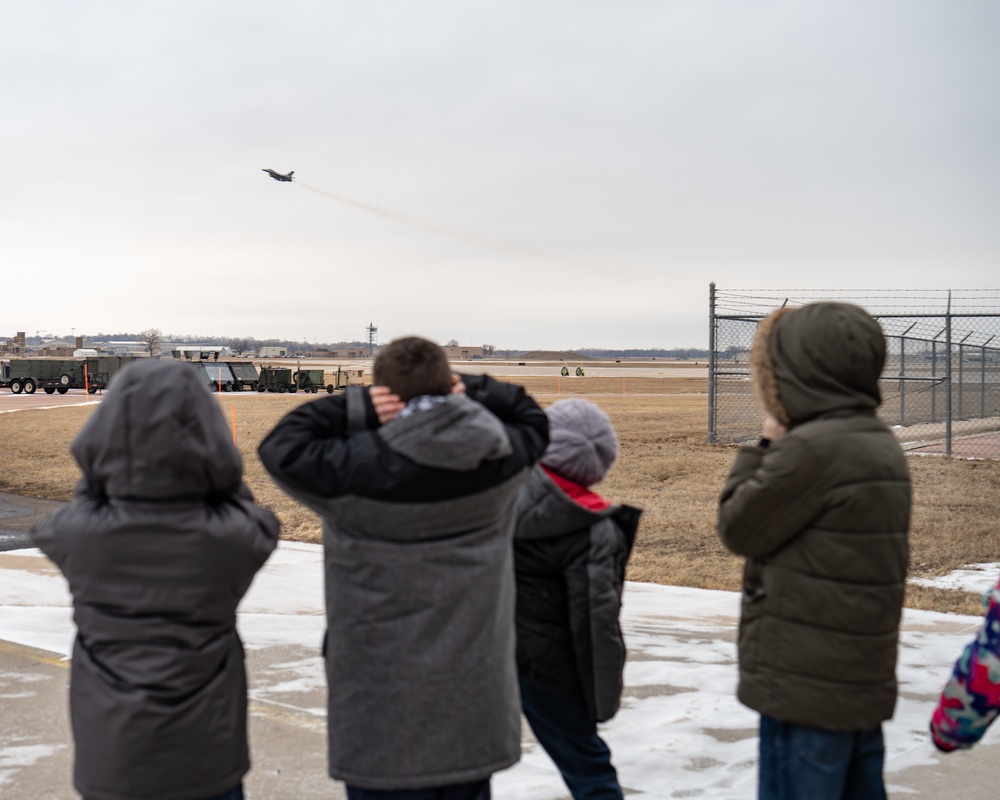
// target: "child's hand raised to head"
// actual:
[[387, 405], [457, 387], [772, 429]]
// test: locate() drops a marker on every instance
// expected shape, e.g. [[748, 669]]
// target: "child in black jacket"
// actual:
[[570, 552]]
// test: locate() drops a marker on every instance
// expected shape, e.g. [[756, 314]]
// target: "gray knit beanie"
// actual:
[[582, 443]]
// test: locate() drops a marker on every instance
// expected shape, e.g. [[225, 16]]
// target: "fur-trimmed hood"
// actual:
[[816, 359]]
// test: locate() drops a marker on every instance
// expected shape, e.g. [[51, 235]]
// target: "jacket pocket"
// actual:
[[754, 589], [751, 613]]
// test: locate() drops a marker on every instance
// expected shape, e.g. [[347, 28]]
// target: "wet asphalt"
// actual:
[[18, 515]]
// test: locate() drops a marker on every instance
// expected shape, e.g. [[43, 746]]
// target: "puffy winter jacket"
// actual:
[[570, 568], [822, 516], [159, 544], [970, 702], [422, 685]]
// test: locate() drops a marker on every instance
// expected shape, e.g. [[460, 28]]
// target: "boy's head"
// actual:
[[582, 443], [411, 367]]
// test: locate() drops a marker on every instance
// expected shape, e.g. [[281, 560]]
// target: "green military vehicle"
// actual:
[[61, 374], [216, 374], [311, 380], [276, 379], [244, 375], [284, 379], [222, 376]]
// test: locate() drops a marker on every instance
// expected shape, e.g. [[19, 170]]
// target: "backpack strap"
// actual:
[[357, 411], [627, 518]]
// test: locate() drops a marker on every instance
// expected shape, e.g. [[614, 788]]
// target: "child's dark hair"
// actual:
[[411, 367]]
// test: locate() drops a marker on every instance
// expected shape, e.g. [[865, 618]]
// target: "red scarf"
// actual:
[[579, 494]]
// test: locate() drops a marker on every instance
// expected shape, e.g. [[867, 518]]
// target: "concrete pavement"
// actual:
[[288, 745], [17, 515], [288, 742]]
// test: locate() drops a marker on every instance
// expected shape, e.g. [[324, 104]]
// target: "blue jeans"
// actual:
[[562, 725], [802, 763], [477, 790]]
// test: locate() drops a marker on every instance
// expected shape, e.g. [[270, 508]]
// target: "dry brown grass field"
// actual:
[[666, 467]]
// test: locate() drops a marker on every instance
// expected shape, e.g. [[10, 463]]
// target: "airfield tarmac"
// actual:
[[592, 369], [512, 368], [502, 369], [21, 402]]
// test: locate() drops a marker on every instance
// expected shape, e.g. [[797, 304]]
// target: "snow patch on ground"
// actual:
[[680, 732]]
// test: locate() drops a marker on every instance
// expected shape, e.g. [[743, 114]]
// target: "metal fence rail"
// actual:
[[941, 381]]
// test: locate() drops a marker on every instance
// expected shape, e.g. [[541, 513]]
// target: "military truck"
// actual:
[[61, 374], [216, 374], [244, 375], [276, 379], [311, 380], [284, 379]]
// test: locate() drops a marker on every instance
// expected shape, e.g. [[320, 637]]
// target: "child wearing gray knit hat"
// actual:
[[582, 443], [570, 550]]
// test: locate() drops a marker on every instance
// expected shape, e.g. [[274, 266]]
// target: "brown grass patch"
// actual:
[[666, 467], [949, 601]]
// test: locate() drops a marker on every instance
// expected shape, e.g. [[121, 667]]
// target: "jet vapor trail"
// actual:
[[417, 222]]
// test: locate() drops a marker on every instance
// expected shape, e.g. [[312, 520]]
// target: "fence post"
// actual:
[[902, 380], [902, 375], [934, 379], [961, 375], [711, 363], [961, 380], [947, 385], [982, 379]]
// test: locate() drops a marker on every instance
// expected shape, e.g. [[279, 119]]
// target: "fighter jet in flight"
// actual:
[[278, 176]]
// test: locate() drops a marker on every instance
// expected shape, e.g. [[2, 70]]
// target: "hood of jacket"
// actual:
[[817, 359], [158, 434], [544, 510], [458, 434]]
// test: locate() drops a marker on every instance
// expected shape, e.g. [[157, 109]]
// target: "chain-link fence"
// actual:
[[941, 382]]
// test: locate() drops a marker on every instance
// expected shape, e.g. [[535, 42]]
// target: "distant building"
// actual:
[[197, 352], [272, 352], [121, 348], [13, 345], [55, 348], [459, 353], [355, 352]]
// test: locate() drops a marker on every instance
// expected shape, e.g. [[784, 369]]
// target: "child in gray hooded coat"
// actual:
[[570, 550], [415, 478], [159, 544]]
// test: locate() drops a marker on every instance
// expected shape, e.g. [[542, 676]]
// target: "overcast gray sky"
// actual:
[[550, 174]]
